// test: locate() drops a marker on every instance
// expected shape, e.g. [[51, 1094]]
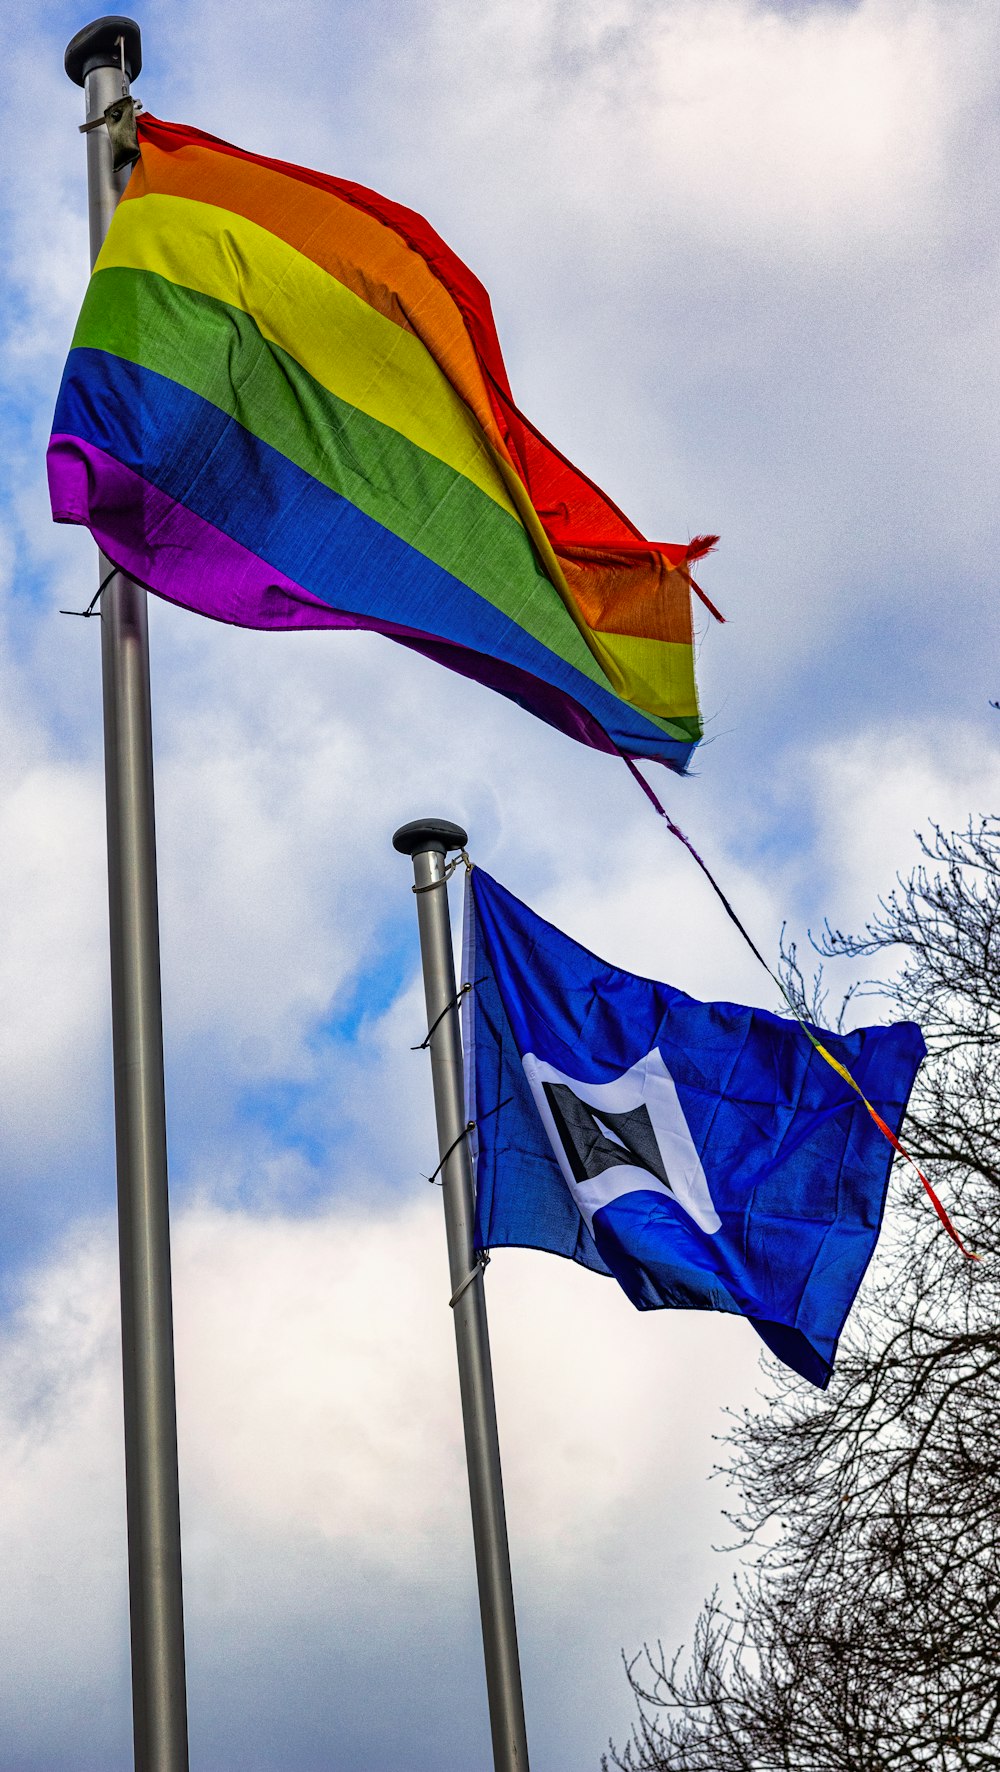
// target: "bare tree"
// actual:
[[864, 1633]]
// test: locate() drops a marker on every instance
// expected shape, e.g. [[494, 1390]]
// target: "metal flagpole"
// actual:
[[102, 58], [428, 841]]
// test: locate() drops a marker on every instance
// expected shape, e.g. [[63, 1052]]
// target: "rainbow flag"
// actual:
[[285, 406]]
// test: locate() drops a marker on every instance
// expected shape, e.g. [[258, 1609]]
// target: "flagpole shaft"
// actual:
[[428, 844], [159, 1706]]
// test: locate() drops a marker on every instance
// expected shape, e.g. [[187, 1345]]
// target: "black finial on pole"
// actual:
[[99, 45], [429, 834]]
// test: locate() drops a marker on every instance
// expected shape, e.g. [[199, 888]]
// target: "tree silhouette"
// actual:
[[864, 1631]]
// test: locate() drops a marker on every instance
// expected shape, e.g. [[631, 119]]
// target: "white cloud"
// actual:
[[53, 964], [737, 253], [53, 920], [880, 791], [319, 1427], [63, 1505], [806, 131]]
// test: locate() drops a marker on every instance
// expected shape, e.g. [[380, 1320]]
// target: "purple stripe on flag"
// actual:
[[187, 561]]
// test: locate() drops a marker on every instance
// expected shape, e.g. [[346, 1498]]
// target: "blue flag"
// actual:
[[702, 1153]]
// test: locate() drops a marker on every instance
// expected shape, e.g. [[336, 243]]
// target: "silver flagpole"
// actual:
[[428, 841], [102, 58]]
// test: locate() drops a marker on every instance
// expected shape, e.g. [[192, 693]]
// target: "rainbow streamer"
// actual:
[[811, 1034], [286, 407]]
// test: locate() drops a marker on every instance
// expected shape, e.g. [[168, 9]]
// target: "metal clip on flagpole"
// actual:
[[428, 841], [103, 58]]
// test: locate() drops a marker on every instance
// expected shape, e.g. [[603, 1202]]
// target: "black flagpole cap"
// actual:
[[96, 46], [429, 833]]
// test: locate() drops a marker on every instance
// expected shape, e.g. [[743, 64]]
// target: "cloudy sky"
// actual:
[[743, 261]]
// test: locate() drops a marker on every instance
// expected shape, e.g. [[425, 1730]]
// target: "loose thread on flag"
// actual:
[[697, 549], [818, 1046]]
